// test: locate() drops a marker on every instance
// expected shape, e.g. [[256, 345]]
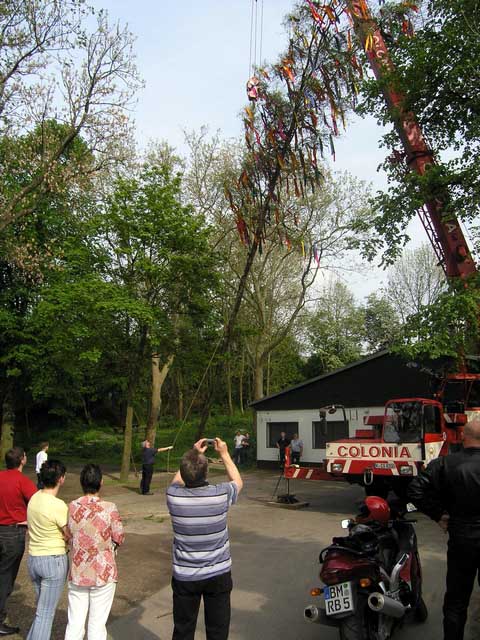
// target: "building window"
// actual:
[[275, 428], [327, 431]]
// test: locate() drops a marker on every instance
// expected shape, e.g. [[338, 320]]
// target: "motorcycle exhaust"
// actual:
[[386, 605], [311, 613]]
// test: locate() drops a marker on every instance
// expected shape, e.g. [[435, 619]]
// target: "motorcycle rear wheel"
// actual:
[[355, 627]]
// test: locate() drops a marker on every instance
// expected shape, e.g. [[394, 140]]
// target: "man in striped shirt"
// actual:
[[201, 548]]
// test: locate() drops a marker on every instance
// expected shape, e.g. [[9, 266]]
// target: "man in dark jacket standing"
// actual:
[[448, 491], [148, 459]]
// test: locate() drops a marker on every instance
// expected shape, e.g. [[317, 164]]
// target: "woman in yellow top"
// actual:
[[47, 518]]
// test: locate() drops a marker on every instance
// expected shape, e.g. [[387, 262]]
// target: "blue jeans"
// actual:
[[48, 574]]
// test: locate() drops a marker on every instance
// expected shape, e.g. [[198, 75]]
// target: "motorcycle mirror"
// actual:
[[411, 507], [346, 523]]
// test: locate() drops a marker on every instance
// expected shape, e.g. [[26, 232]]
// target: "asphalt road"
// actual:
[[275, 563]]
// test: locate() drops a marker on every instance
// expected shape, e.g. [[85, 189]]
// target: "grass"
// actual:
[[152, 518], [78, 444]]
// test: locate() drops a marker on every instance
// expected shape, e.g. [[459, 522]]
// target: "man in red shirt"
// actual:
[[15, 492]]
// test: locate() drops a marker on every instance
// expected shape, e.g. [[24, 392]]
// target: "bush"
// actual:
[[102, 444]]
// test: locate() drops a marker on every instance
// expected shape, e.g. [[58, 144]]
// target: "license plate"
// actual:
[[339, 599], [384, 465]]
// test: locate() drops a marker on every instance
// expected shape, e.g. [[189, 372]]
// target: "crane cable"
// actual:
[[256, 35]]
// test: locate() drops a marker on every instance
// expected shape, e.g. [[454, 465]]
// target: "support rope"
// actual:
[[193, 399]]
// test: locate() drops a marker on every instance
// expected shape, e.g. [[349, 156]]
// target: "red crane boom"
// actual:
[[441, 225]]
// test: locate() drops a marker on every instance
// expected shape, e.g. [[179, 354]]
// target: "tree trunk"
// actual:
[[205, 412], [240, 382], [229, 386], [258, 380], [268, 372], [180, 406], [86, 412], [158, 378], [127, 443], [6, 441]]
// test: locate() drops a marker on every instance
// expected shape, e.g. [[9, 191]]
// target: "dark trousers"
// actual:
[[295, 457], [281, 452], [12, 547], [216, 602], [237, 455], [463, 565], [147, 473], [39, 482]]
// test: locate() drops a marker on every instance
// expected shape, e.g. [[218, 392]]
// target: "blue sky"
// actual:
[[194, 58]]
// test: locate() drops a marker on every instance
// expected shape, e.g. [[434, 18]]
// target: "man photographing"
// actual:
[[201, 548]]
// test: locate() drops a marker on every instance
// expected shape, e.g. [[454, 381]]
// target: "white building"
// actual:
[[356, 391]]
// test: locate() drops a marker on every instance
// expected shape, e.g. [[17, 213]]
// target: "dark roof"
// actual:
[[370, 381], [322, 377]]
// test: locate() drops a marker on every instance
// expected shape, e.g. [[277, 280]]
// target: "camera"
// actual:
[[210, 442]]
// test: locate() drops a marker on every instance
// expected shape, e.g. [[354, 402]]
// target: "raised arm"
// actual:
[[230, 467], [199, 446]]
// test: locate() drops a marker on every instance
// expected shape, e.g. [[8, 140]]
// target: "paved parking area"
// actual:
[[275, 563], [275, 557]]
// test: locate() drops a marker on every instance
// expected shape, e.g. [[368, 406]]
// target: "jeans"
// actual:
[[237, 455], [216, 601], [12, 547], [147, 473], [95, 602], [463, 565], [244, 455], [48, 574], [296, 457]]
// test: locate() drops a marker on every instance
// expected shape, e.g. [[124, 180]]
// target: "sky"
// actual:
[[193, 56]]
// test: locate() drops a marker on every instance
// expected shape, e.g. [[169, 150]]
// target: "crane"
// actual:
[[412, 431]]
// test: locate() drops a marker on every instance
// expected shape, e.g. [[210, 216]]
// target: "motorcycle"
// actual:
[[372, 577]]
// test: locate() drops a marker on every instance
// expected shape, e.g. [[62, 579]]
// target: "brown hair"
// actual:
[[193, 468], [43, 445], [14, 457]]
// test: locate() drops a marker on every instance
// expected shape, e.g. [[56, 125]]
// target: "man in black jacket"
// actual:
[[448, 491], [148, 459]]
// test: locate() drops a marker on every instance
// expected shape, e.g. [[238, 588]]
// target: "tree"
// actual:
[[282, 282], [156, 249], [414, 281], [282, 277], [300, 101], [34, 252], [382, 325], [284, 366], [437, 72], [447, 328], [55, 69], [335, 330]]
